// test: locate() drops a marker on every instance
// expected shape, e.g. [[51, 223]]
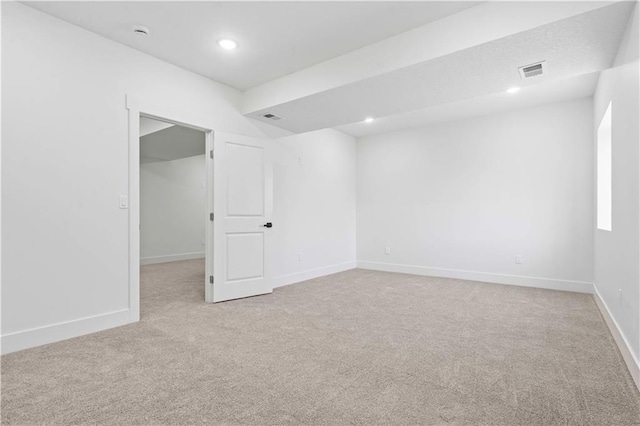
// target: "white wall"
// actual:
[[468, 196], [314, 204], [173, 202], [617, 253], [65, 163]]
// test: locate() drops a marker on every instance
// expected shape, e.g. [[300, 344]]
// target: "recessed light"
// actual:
[[227, 43], [513, 90], [369, 120]]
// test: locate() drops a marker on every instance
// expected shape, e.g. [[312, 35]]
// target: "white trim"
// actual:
[[523, 281], [166, 112], [171, 258], [297, 277], [134, 209], [25, 339], [632, 362]]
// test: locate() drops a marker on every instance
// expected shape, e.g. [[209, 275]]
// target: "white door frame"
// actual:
[[137, 108]]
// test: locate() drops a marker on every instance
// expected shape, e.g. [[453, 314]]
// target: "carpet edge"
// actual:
[[633, 364]]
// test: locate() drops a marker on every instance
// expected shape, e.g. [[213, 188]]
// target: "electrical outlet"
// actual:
[[202, 242], [620, 297], [387, 250], [518, 259], [299, 257], [299, 161]]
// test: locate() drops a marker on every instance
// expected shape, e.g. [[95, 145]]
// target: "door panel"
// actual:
[[242, 206], [245, 180], [245, 256]]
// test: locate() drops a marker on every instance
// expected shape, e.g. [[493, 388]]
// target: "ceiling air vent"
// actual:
[[533, 70], [272, 117], [140, 29]]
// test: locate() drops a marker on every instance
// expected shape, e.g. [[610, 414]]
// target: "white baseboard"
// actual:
[[171, 258], [548, 283], [25, 339], [312, 273], [633, 364]]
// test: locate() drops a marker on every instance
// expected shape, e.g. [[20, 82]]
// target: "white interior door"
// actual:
[[243, 194]]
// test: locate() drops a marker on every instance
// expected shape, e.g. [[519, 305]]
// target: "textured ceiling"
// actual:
[[552, 91], [276, 38], [579, 45]]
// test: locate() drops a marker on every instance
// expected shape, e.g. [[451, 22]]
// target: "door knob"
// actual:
[[268, 225]]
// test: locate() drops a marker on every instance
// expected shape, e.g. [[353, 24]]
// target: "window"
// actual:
[[604, 172]]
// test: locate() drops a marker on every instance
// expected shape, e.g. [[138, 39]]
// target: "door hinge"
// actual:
[[211, 217], [210, 153], [210, 279]]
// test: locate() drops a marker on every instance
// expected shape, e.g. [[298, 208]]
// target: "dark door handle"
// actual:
[[268, 225]]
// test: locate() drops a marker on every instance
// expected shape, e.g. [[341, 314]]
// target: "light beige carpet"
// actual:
[[359, 347]]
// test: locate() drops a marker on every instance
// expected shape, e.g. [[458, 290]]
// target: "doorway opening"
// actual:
[[238, 246], [173, 211], [163, 117]]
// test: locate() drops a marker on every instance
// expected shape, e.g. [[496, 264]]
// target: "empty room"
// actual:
[[340, 212]]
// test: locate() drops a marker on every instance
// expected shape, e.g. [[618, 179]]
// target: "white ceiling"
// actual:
[[276, 38], [582, 44], [169, 143], [331, 64]]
